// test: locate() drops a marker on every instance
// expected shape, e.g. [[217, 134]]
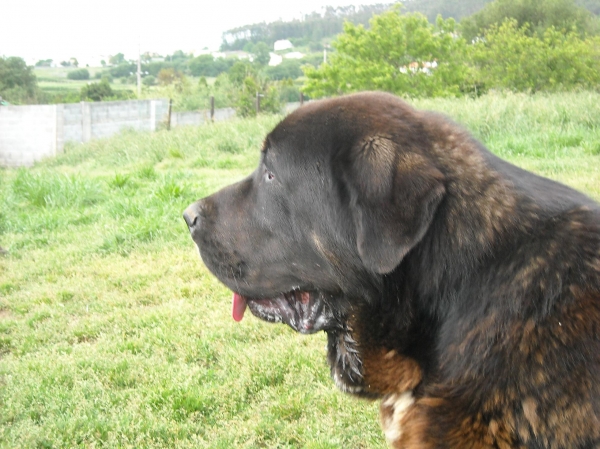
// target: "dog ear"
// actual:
[[394, 195]]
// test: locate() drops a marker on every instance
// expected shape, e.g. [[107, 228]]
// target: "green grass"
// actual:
[[53, 81], [113, 334]]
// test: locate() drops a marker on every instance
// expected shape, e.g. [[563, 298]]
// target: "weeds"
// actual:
[[51, 190]]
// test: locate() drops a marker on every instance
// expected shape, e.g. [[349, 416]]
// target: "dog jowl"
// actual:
[[461, 290]]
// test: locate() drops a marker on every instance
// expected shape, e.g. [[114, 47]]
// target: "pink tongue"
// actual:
[[239, 307]]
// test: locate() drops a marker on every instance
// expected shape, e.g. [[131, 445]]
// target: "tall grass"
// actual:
[[113, 334]]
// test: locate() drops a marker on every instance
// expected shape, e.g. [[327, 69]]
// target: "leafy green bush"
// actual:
[[289, 68], [103, 92], [103, 74], [207, 65], [79, 74], [123, 70], [288, 91], [149, 80], [97, 91], [18, 83], [510, 57], [245, 96], [540, 15], [188, 96], [400, 53]]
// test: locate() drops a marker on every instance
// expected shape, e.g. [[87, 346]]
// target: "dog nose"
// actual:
[[192, 214]]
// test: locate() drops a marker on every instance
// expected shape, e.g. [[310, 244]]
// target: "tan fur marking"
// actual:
[[530, 412], [387, 372], [392, 410], [330, 256]]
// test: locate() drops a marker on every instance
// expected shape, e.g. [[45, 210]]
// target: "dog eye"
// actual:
[[269, 176]]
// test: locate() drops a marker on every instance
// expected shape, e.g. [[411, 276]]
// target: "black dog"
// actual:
[[460, 289]]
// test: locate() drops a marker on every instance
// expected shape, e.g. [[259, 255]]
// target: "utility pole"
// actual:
[[139, 71]]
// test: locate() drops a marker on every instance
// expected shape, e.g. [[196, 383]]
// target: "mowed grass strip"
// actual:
[[113, 334]]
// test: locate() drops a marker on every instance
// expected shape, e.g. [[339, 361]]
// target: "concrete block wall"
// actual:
[[31, 133], [224, 114], [72, 127], [189, 118], [28, 134], [107, 118]]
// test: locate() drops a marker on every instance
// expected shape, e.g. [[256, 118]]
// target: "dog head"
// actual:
[[343, 191]]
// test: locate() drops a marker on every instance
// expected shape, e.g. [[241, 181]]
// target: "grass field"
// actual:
[[113, 334], [54, 81]]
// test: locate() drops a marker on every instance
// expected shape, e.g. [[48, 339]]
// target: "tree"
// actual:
[[400, 53], [261, 54], [240, 71], [18, 83], [289, 68], [123, 70], [510, 57], [206, 65], [169, 76], [539, 14], [44, 63], [179, 54], [117, 59], [202, 65]]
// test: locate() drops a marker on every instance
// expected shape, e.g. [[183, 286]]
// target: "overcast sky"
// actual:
[[59, 29]]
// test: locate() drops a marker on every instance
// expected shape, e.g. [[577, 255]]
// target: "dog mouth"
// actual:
[[306, 312]]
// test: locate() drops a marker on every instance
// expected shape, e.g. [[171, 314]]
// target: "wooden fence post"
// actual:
[[257, 103], [212, 108], [301, 98], [169, 114]]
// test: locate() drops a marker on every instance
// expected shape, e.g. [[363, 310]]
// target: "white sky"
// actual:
[[59, 29]]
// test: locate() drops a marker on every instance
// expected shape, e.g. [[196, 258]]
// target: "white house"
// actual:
[[282, 44], [275, 59], [294, 55]]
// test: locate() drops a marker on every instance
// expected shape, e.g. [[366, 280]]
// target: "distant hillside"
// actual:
[[316, 26], [447, 8], [312, 28], [590, 5], [464, 8]]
